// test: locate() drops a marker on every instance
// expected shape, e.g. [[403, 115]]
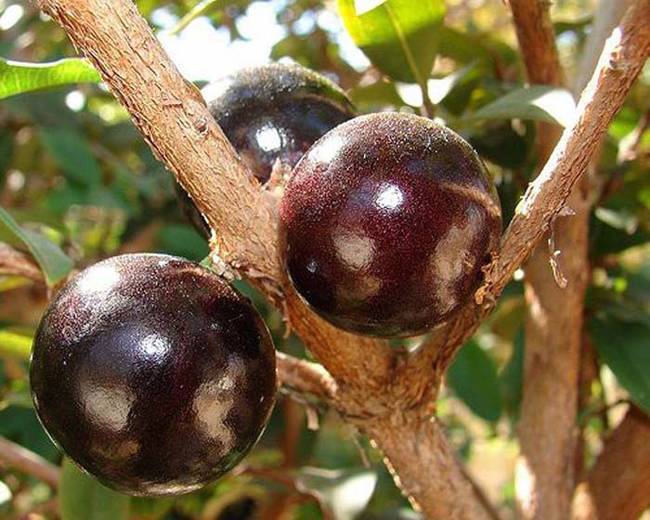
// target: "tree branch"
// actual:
[[15, 263], [536, 39], [305, 377], [623, 56], [617, 485], [27, 462], [621, 60], [608, 16], [173, 118], [425, 466], [544, 478], [375, 388]]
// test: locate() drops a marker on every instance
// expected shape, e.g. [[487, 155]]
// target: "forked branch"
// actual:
[[172, 116]]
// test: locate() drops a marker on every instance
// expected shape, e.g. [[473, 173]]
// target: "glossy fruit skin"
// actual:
[[272, 113], [386, 223], [152, 374]]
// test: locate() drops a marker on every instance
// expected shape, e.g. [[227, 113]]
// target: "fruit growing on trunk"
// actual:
[[386, 223], [152, 374]]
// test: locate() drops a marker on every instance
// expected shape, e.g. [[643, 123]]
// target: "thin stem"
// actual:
[[25, 461]]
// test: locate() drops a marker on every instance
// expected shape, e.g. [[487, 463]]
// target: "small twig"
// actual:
[[305, 377], [554, 260], [15, 263], [27, 462]]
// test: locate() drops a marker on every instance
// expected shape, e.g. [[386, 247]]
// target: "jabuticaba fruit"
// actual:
[[386, 223], [152, 374], [272, 114]]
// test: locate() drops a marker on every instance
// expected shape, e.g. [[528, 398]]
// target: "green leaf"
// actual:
[[83, 498], [440, 88], [466, 47], [20, 424], [400, 37], [538, 103], [473, 378], [624, 348], [346, 493], [182, 240], [373, 97], [73, 154], [363, 6], [15, 345], [512, 376], [18, 78], [56, 265]]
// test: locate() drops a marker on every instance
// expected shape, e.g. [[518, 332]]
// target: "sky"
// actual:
[[204, 53]]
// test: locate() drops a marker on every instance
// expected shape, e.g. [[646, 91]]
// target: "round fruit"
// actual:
[[152, 374], [386, 223], [272, 113]]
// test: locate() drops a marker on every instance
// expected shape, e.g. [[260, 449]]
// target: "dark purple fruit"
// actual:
[[153, 374], [386, 223], [272, 113]]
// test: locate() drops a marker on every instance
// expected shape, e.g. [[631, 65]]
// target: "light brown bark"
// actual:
[[624, 54], [414, 445], [547, 427], [175, 122], [544, 478], [620, 62], [618, 486], [305, 377], [15, 263], [373, 383]]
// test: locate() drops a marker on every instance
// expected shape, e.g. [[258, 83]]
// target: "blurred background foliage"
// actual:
[[77, 184]]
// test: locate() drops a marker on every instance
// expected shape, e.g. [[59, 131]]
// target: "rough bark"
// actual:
[[544, 478], [406, 438], [374, 385], [305, 377], [608, 15], [175, 122], [618, 486], [624, 54]]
